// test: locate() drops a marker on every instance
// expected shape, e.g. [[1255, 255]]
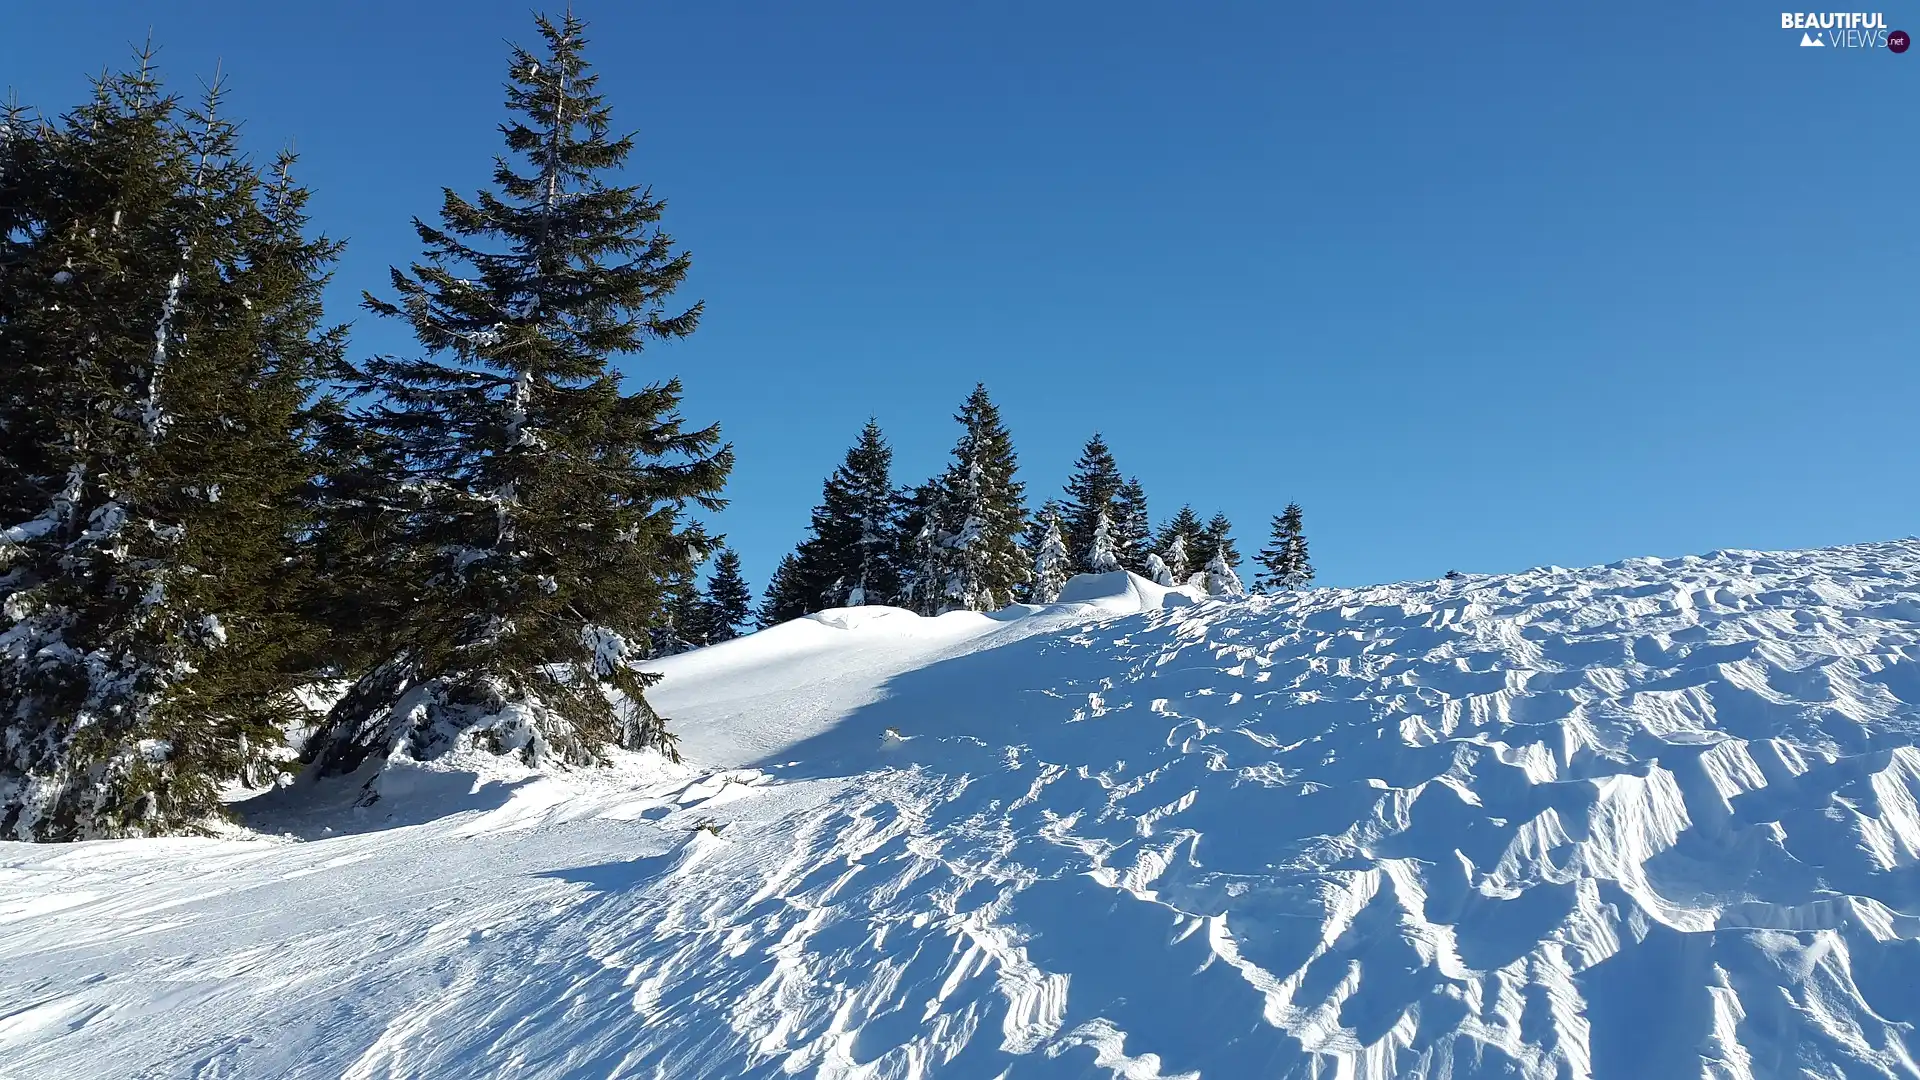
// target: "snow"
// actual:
[[1659, 818]]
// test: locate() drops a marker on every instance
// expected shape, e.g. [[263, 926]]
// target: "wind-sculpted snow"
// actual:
[[1655, 819]]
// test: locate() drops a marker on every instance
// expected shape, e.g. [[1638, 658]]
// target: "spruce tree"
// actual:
[[537, 511], [1101, 558], [850, 556], [1216, 539], [1052, 566], [1221, 580], [1299, 573], [159, 339], [1182, 544], [1091, 494], [1284, 560], [786, 595], [979, 512], [728, 603], [685, 626], [917, 550], [1158, 573], [1132, 530]]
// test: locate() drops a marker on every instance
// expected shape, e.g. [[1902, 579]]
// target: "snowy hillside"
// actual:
[[1655, 819]]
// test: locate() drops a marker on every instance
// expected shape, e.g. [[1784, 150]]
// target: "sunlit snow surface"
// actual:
[[1656, 819]]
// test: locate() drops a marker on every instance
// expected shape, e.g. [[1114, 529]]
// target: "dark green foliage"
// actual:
[[728, 602], [1132, 530], [1091, 491], [160, 335], [1217, 537], [855, 526], [978, 511], [852, 550], [921, 558], [786, 596], [1182, 545], [1284, 562], [532, 514]]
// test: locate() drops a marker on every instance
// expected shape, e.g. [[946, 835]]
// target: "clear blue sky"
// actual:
[[1481, 286]]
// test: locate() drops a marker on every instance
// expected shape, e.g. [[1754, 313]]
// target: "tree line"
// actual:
[[209, 505], [965, 540]]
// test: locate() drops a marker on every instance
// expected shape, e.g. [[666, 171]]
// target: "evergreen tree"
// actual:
[[159, 338], [1158, 572], [921, 558], [1132, 530], [1215, 539], [1221, 580], [729, 604], [786, 595], [684, 627], [1180, 541], [1091, 494], [1100, 554], [538, 513], [851, 553], [980, 512], [1284, 560], [1051, 564]]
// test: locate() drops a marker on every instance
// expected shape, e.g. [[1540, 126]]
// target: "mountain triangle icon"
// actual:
[[1809, 41]]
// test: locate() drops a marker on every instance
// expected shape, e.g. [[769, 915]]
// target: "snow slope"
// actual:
[[1654, 819]]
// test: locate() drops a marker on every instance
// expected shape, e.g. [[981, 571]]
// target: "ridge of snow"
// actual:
[[1656, 818]]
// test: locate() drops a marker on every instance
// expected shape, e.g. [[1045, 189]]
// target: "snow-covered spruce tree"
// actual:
[[1158, 572], [1216, 539], [538, 513], [1091, 492], [922, 559], [1299, 563], [1180, 540], [1132, 531], [1221, 580], [786, 595], [1052, 566], [159, 338], [1046, 517], [1284, 562], [1100, 555], [983, 509], [728, 603]]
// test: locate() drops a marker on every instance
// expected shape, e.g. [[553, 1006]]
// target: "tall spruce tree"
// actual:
[[1132, 529], [981, 510], [1092, 492], [728, 603], [850, 556], [1182, 545], [159, 338], [538, 512], [1284, 562], [1215, 539]]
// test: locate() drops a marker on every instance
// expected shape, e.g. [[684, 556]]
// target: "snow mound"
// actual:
[[1658, 818]]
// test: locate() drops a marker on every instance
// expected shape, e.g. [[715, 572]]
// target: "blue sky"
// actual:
[[1481, 286]]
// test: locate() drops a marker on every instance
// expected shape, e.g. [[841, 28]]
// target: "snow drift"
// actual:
[[1657, 818]]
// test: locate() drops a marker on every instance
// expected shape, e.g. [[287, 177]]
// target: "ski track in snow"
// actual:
[[1659, 818]]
